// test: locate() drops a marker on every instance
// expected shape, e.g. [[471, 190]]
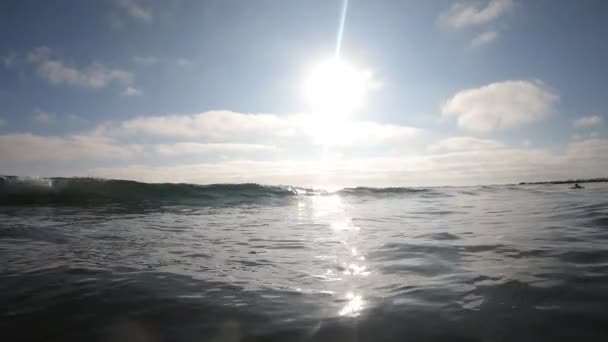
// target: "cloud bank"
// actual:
[[278, 149]]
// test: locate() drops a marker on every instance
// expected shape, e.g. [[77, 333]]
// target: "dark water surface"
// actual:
[[251, 263]]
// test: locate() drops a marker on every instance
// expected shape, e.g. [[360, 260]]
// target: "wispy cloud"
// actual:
[[58, 72], [500, 105], [29, 147], [136, 9], [586, 136], [8, 60], [2, 121], [480, 166], [190, 148], [220, 125], [44, 118], [484, 38], [24, 147], [588, 121], [213, 124], [464, 144], [473, 13], [147, 12], [146, 60], [132, 91], [183, 62]]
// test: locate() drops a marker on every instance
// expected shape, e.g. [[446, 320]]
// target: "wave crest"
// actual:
[[17, 190], [82, 191]]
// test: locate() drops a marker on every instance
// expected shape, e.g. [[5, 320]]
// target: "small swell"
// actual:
[[387, 191]]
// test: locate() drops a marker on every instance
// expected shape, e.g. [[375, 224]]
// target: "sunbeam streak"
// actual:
[[341, 28]]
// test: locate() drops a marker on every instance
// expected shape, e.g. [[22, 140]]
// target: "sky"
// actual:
[[456, 92]]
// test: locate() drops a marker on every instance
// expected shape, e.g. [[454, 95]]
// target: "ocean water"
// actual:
[[93, 260]]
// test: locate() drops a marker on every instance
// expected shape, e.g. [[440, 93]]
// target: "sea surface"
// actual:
[[101, 260]]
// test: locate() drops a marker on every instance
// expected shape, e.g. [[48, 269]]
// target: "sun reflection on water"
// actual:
[[345, 263], [354, 269], [345, 225], [354, 306]]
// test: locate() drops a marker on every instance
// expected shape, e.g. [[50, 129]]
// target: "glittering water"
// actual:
[[501, 263]]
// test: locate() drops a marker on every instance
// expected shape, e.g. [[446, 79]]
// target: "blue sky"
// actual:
[[460, 91]]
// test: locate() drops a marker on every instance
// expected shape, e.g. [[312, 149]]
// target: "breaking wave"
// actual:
[[17, 190], [73, 191]]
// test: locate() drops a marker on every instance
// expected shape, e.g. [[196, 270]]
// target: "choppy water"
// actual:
[[252, 263]]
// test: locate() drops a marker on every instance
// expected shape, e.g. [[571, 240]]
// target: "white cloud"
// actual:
[[484, 38], [2, 122], [136, 10], [500, 105], [132, 91], [185, 148], [473, 13], [44, 118], [588, 121], [464, 144], [57, 72]]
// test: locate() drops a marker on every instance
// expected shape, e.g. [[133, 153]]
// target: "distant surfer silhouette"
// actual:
[[577, 186]]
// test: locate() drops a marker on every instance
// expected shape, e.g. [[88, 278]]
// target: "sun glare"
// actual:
[[336, 88]]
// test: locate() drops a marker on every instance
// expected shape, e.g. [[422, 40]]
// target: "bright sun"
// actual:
[[335, 87]]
